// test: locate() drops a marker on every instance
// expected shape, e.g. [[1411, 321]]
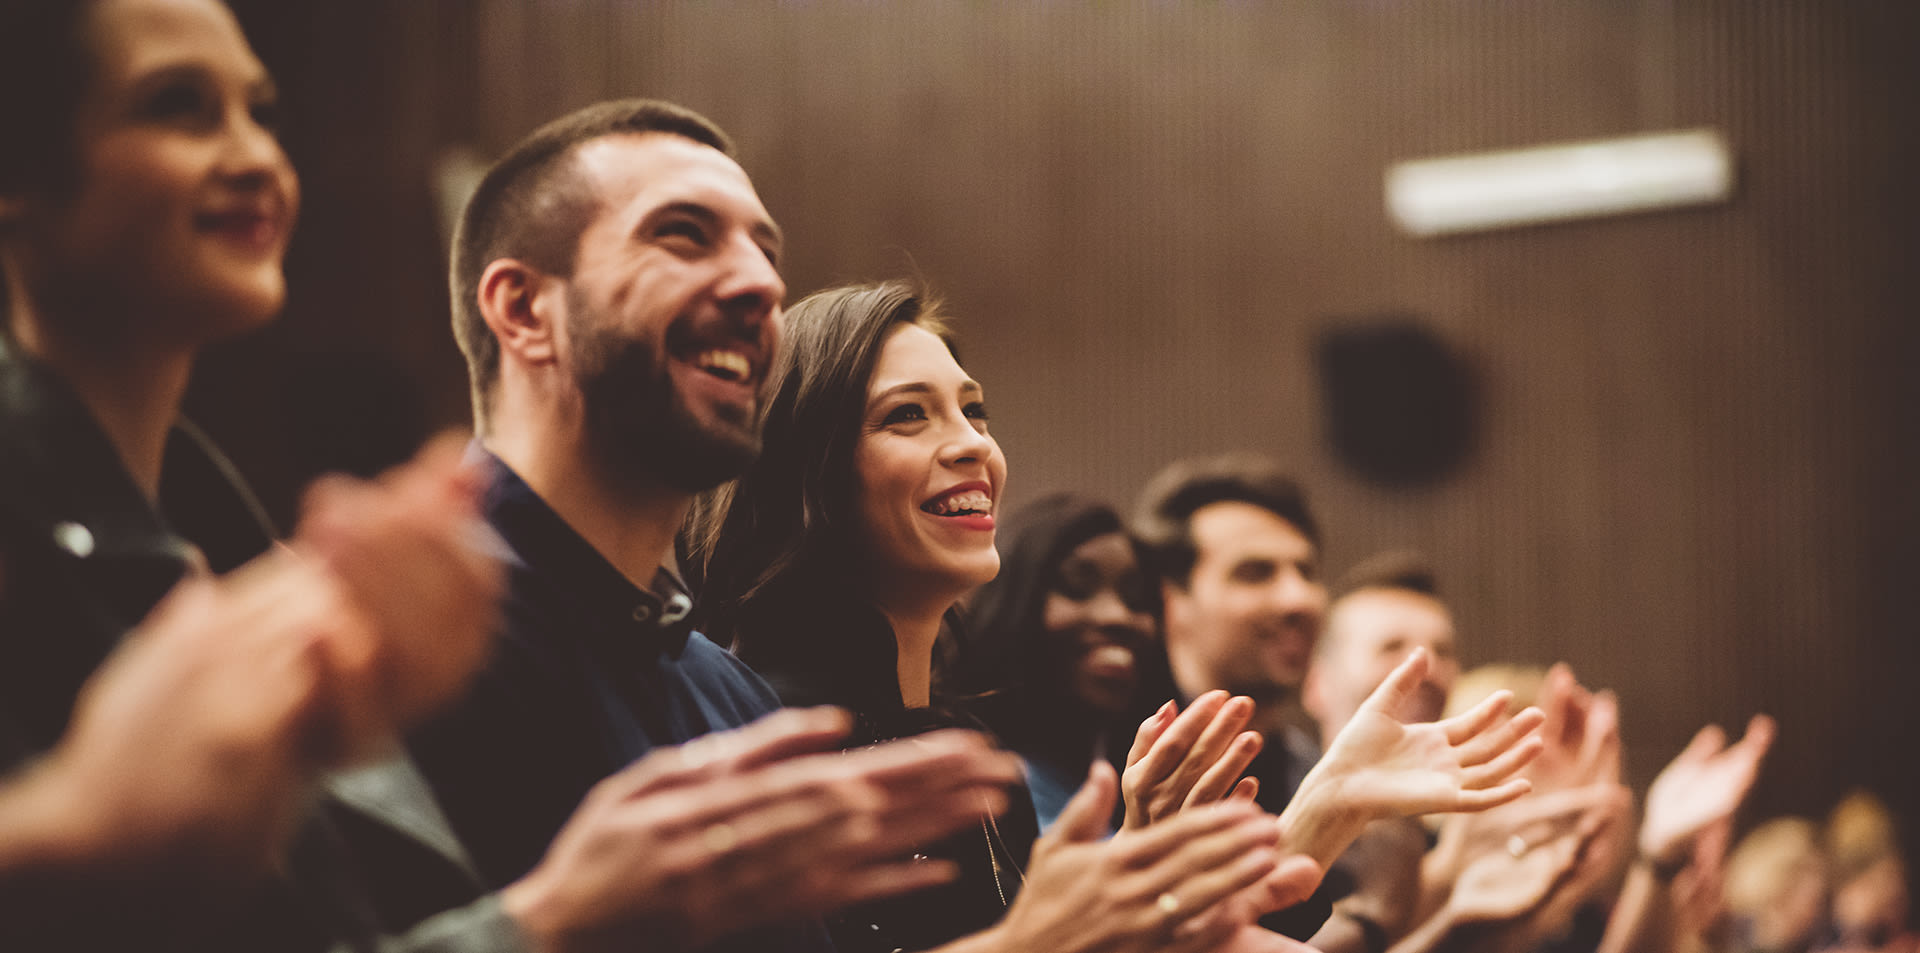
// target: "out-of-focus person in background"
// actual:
[[1061, 659], [1235, 555], [1870, 889], [1777, 888]]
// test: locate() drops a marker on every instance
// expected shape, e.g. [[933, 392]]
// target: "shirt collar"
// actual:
[[548, 550]]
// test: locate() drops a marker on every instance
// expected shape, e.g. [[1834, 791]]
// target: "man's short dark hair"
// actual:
[[534, 204], [1402, 569], [1163, 521]]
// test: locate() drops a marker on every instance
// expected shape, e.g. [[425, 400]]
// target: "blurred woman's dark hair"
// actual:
[[46, 68]]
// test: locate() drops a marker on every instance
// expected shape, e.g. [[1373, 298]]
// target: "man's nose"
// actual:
[[751, 282]]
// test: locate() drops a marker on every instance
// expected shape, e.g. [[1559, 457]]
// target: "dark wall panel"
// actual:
[[1695, 457]]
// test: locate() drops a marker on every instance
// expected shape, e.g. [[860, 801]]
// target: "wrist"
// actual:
[[1320, 823], [532, 907], [1664, 860], [46, 827], [1663, 867]]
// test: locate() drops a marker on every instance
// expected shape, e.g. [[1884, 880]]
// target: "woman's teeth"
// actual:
[[970, 502], [727, 365]]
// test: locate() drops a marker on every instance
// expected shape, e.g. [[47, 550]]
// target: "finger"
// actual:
[[1247, 790], [1398, 689], [1145, 848], [1208, 931], [1500, 738], [1556, 699], [1173, 747], [1221, 779], [1484, 798], [1212, 853], [1557, 807], [1759, 738], [938, 760], [1294, 880], [882, 881], [1599, 759], [1478, 718], [929, 819], [1504, 766], [1150, 731], [1706, 743], [1199, 892], [787, 733], [1084, 819], [1224, 777]]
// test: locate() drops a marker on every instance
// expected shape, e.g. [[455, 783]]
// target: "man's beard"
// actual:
[[637, 429]]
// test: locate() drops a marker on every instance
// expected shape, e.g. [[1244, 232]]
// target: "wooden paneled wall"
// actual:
[[1695, 470]]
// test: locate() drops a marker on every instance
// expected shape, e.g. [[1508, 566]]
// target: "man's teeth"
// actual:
[[972, 501], [732, 365]]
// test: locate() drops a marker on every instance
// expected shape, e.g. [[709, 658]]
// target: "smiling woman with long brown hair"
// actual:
[[833, 563]]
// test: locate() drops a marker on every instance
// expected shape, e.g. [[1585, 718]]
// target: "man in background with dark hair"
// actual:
[[1236, 554]]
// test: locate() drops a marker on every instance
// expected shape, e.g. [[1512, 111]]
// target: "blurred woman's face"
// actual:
[[929, 475], [185, 200], [1095, 621]]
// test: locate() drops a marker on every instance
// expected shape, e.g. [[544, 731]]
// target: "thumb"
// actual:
[[1084, 819]]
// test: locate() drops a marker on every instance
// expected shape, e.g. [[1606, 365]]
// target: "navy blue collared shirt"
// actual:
[[591, 672]]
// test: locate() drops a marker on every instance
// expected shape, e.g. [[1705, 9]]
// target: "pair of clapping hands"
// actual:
[[1527, 867], [1184, 770]]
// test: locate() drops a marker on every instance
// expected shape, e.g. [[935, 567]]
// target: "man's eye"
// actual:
[[905, 413], [684, 229], [1253, 571]]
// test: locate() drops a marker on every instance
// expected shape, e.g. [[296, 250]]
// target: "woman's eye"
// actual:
[[976, 410], [266, 115], [905, 413], [179, 101]]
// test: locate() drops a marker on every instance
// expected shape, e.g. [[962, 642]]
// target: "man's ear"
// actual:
[[1313, 691], [520, 304], [1174, 606]]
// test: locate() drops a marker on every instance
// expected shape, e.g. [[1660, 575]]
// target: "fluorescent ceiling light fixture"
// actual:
[[1553, 183]]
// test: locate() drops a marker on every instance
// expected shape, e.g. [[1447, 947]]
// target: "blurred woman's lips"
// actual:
[[255, 228], [1110, 660]]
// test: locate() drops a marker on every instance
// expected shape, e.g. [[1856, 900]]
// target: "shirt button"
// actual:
[[74, 538], [643, 613]]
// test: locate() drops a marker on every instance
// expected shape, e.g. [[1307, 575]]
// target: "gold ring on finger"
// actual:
[[1517, 846]]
